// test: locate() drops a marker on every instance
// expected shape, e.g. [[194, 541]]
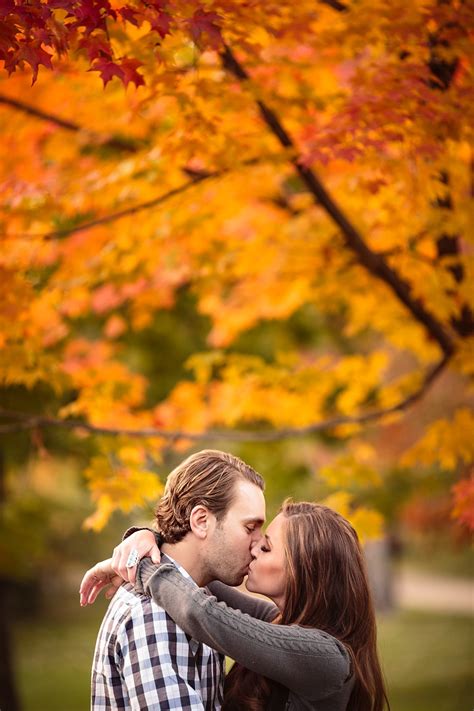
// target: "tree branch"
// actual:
[[448, 244], [196, 176], [133, 209], [25, 421], [372, 261], [116, 142], [335, 4]]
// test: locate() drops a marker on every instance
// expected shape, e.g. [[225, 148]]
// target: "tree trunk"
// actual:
[[9, 700], [379, 567]]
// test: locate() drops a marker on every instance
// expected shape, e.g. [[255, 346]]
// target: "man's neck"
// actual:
[[186, 555]]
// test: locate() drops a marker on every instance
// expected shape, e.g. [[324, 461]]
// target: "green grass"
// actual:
[[428, 660], [53, 660]]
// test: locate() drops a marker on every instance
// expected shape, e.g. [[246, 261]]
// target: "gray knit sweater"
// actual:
[[313, 665]]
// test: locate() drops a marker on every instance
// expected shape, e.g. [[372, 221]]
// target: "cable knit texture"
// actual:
[[312, 664]]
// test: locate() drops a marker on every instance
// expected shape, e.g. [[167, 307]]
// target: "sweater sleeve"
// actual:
[[134, 529], [253, 606], [309, 662]]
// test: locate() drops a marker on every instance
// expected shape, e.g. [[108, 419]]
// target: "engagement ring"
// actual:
[[132, 559]]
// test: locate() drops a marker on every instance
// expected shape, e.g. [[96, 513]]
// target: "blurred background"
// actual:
[[421, 568]]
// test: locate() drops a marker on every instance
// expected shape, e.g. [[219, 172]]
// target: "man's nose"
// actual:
[[254, 547]]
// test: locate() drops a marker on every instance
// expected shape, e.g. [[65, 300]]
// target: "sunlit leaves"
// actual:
[[295, 392], [449, 442], [368, 523], [109, 394], [463, 494], [348, 471], [121, 481], [167, 180]]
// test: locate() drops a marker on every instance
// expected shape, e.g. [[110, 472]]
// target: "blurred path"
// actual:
[[433, 592]]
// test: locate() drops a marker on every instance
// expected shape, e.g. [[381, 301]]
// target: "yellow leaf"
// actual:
[[368, 523], [446, 441], [101, 515]]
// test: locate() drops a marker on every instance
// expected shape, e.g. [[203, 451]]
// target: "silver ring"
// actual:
[[132, 559]]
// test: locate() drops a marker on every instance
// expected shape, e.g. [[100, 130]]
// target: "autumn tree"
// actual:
[[265, 157]]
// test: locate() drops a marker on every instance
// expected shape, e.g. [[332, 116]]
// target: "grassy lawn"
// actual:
[[54, 660], [428, 661]]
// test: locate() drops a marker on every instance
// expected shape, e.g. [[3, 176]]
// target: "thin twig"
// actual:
[[115, 142], [132, 209], [25, 421]]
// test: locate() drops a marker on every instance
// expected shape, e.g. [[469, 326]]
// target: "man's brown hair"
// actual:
[[208, 478]]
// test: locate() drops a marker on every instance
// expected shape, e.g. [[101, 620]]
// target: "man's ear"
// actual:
[[201, 521]]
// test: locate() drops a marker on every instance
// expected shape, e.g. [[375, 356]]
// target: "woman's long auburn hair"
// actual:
[[327, 589]]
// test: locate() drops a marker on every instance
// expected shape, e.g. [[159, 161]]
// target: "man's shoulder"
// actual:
[[136, 603], [129, 608], [132, 616]]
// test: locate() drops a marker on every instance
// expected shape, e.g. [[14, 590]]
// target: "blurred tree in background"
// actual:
[[230, 222]]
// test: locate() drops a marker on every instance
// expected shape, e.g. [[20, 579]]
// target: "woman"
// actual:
[[314, 647]]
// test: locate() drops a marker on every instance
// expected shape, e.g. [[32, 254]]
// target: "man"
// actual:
[[210, 516]]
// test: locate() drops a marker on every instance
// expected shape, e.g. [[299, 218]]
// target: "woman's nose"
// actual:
[[254, 548]]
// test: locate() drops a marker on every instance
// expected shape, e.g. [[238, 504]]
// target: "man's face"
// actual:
[[228, 554]]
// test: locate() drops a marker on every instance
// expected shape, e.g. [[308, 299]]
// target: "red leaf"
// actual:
[[204, 23], [130, 74], [160, 22], [96, 48], [126, 71], [463, 495], [6, 7], [128, 14], [107, 69], [92, 15], [34, 55]]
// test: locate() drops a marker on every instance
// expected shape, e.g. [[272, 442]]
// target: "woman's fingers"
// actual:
[[112, 572], [120, 557], [100, 576], [110, 588], [87, 584], [115, 583]]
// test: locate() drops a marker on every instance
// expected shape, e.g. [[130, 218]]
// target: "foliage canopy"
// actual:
[[265, 157]]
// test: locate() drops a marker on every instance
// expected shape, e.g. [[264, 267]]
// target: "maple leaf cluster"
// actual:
[[35, 32], [268, 159]]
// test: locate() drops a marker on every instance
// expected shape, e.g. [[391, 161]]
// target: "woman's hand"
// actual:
[[111, 573], [144, 543], [98, 578]]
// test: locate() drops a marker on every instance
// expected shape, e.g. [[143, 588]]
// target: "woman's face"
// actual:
[[267, 571]]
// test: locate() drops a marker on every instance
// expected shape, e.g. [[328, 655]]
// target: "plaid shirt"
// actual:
[[144, 661]]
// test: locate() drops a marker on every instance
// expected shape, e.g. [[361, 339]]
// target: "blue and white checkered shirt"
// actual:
[[143, 661]]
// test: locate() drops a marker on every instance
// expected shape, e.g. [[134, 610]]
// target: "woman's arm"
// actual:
[[307, 661], [253, 606], [111, 573], [141, 537]]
